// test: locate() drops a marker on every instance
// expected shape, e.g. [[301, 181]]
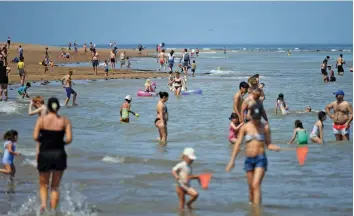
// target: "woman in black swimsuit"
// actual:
[[49, 131], [162, 117], [178, 83]]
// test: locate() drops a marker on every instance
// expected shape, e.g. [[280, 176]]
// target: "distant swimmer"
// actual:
[[38, 103], [281, 105], [67, 83], [316, 135], [23, 90], [11, 138], [300, 134], [161, 59], [125, 109], [162, 117], [341, 120], [339, 64], [238, 99], [257, 138], [182, 173], [234, 127], [289, 53], [308, 109]]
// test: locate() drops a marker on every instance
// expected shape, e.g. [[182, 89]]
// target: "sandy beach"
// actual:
[[34, 54]]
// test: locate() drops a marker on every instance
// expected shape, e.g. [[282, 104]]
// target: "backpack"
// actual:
[[186, 57]]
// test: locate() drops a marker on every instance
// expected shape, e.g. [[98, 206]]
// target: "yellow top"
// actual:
[[20, 65], [194, 66]]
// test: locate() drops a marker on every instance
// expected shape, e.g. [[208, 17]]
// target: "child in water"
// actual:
[[235, 126], [280, 104], [125, 110], [317, 131], [194, 66], [23, 90], [128, 63], [148, 86], [105, 66], [182, 172], [300, 134], [10, 138]]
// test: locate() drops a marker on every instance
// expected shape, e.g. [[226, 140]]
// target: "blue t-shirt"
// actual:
[[8, 158]]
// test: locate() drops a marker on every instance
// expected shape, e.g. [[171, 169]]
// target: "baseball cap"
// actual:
[[339, 92], [189, 152]]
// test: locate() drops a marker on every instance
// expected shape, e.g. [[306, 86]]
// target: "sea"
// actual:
[[120, 169]]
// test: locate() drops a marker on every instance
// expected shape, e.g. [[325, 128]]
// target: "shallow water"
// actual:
[[118, 168]]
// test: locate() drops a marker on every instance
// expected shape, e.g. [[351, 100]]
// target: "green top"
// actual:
[[302, 137]]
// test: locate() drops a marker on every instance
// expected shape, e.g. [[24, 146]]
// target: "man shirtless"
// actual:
[[341, 120], [238, 98], [252, 99], [339, 64], [161, 58], [66, 82]]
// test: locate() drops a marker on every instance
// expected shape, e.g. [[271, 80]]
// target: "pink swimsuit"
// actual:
[[232, 133]]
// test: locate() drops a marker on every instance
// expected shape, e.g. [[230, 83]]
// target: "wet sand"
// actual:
[[34, 54]]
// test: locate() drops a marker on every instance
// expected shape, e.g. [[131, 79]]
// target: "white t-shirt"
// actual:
[[183, 170], [171, 57]]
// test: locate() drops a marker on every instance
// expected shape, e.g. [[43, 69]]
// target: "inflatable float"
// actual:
[[145, 94], [189, 92]]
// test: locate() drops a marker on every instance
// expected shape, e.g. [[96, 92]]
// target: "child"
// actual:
[[23, 90], [280, 104], [182, 172], [105, 66], [194, 66], [128, 62], [10, 138], [332, 78], [45, 63], [125, 110], [169, 83], [38, 103], [234, 127], [317, 131], [148, 86], [299, 133]]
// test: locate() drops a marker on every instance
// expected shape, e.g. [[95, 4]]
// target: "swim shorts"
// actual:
[[185, 64], [95, 63], [340, 129], [69, 91], [340, 68], [253, 162], [113, 60]]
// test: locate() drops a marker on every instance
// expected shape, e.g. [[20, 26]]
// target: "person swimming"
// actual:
[[125, 109], [317, 131], [308, 109], [300, 134]]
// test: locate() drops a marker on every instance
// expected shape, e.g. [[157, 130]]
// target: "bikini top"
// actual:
[[259, 137]]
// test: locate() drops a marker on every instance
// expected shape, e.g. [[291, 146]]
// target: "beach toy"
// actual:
[[301, 153], [204, 180], [145, 94], [189, 92], [137, 115]]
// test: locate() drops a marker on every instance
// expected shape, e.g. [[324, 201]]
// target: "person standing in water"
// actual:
[[177, 81], [95, 62], [10, 138], [341, 120], [161, 59], [234, 128], [162, 117], [280, 104], [317, 131], [122, 59], [67, 82], [197, 52], [182, 172], [113, 60], [4, 79], [171, 60], [38, 103], [238, 98], [252, 99], [299, 134], [186, 61], [257, 138], [21, 70], [49, 131], [125, 109], [340, 64]]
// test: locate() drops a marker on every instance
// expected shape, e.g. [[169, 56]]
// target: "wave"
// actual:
[[220, 71], [10, 107]]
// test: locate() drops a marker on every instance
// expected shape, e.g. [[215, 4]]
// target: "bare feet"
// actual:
[[189, 205]]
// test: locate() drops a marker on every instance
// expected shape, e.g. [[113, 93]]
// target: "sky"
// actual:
[[56, 23]]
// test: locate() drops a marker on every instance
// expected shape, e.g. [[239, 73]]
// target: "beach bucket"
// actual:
[[301, 153], [204, 180]]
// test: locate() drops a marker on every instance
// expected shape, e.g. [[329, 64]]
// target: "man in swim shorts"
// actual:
[[252, 99], [161, 58], [66, 82], [339, 64], [341, 119]]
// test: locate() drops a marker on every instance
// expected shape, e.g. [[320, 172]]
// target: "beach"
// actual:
[[119, 169]]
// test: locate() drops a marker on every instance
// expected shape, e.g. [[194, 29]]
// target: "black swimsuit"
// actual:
[[179, 83], [52, 155]]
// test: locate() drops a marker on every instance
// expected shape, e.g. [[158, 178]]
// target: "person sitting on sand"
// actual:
[[23, 90], [64, 55], [38, 103]]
